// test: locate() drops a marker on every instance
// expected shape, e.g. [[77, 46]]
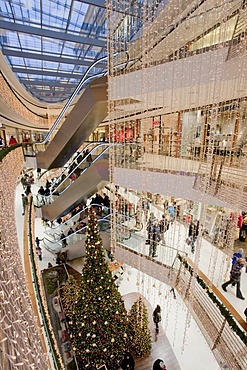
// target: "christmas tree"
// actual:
[[98, 322], [70, 294], [140, 333]]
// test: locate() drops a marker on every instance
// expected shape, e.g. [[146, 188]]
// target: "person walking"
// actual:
[[164, 226], [41, 192], [39, 253], [37, 241], [159, 364], [235, 256], [193, 234], [24, 203], [157, 317], [63, 240], [154, 235], [235, 276]]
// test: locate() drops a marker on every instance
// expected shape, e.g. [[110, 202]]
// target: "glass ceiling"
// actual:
[[49, 44]]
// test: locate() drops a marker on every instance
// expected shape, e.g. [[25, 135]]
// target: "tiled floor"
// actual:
[[181, 330]]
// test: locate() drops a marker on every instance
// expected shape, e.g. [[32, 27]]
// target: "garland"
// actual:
[[223, 310], [45, 321], [8, 149]]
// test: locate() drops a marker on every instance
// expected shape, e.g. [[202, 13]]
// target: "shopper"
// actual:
[[164, 226], [159, 364], [38, 173], [63, 239], [235, 276], [154, 235], [37, 241], [12, 140], [24, 203], [41, 192], [193, 234], [157, 317], [39, 253]]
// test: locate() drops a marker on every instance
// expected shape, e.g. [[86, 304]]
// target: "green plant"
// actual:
[[56, 359], [8, 149]]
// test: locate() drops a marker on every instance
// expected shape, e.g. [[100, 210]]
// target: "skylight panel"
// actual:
[[5, 9], [52, 46], [30, 42], [11, 38], [56, 13]]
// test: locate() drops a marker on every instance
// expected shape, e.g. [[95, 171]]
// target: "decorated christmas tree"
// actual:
[[139, 331], [99, 322], [70, 294]]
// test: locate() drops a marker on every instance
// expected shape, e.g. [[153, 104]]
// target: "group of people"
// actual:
[[12, 141], [97, 203], [82, 161], [44, 193]]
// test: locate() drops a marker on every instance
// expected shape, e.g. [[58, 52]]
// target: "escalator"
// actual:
[[74, 244], [91, 153], [95, 178], [84, 118], [91, 176]]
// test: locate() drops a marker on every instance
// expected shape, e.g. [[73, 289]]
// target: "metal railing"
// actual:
[[206, 308]]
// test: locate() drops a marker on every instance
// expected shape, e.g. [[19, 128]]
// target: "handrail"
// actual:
[[74, 94], [218, 324], [58, 241], [78, 213], [84, 160], [217, 292]]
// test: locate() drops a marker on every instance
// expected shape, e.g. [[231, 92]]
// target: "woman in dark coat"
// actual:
[[159, 365], [157, 317], [235, 276], [193, 234]]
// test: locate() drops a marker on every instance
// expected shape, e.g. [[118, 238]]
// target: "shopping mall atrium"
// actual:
[[123, 154]]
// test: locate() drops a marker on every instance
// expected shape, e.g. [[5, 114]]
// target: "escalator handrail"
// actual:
[[84, 160], [83, 81], [108, 145], [58, 241], [78, 213]]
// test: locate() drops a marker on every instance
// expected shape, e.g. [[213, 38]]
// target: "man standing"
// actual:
[[24, 203]]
